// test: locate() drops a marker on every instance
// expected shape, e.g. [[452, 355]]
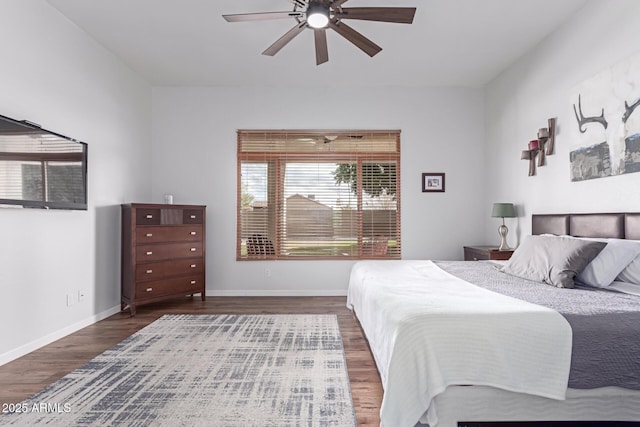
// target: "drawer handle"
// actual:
[[193, 233], [193, 282], [149, 234], [193, 249], [149, 271], [193, 266], [149, 252], [193, 217], [149, 216], [149, 289]]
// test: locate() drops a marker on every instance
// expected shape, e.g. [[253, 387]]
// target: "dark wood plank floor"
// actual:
[[29, 374]]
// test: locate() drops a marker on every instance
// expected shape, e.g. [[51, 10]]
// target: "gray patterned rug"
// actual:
[[207, 370]]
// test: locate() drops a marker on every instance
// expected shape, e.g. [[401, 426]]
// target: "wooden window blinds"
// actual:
[[318, 194]]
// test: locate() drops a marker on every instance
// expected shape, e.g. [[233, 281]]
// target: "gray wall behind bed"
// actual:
[[536, 88]]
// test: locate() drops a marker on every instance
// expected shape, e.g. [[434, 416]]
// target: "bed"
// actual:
[[464, 342]]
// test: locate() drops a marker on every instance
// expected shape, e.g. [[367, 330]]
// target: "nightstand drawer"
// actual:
[[478, 253], [497, 255], [475, 254]]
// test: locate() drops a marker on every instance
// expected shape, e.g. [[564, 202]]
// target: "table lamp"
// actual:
[[503, 210]]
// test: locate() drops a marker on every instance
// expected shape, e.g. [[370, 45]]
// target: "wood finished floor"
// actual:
[[29, 374]]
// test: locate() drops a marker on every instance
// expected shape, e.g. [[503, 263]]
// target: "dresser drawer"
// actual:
[[157, 288], [183, 267], [161, 252], [151, 271], [178, 233], [192, 216], [171, 268], [147, 216]]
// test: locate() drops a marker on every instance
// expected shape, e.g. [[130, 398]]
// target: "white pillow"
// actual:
[[610, 262], [631, 274]]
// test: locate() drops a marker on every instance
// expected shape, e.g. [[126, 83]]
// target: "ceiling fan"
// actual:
[[320, 15]]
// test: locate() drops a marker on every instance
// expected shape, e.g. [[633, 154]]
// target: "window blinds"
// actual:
[[318, 194]]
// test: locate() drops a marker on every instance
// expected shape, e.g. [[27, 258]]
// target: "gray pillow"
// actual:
[[551, 259]]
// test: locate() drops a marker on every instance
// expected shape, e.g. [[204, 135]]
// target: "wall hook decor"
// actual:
[[546, 136], [531, 155], [541, 147]]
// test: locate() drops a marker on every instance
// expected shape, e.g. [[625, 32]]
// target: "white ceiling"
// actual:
[[187, 42]]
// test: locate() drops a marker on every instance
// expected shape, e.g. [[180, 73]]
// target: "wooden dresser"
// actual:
[[163, 253]]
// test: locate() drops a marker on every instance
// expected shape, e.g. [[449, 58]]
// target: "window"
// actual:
[[318, 195]]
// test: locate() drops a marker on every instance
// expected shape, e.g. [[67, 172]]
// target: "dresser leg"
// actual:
[[202, 295], [132, 309]]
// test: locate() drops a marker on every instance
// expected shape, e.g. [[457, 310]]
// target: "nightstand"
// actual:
[[476, 253]]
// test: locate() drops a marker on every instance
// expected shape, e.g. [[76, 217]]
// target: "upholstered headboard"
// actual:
[[615, 225]]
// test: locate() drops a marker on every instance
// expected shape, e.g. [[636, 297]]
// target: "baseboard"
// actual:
[[278, 293], [54, 336]]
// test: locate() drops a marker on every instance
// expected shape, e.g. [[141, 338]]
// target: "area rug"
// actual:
[[206, 370]]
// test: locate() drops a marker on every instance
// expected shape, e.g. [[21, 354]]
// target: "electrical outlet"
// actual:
[[267, 272], [80, 296]]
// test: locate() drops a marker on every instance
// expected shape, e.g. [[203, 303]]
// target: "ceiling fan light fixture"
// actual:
[[317, 15], [324, 15]]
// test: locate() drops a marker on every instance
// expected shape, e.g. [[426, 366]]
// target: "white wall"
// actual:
[[53, 74], [194, 158], [538, 87]]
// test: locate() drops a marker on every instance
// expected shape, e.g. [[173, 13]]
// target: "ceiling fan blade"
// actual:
[[263, 16], [337, 3], [400, 15], [366, 45], [286, 38], [322, 53]]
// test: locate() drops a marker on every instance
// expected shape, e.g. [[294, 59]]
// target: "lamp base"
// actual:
[[502, 231]]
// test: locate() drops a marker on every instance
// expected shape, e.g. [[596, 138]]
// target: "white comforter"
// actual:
[[428, 330]]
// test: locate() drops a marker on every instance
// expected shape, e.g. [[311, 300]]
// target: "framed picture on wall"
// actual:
[[433, 182]]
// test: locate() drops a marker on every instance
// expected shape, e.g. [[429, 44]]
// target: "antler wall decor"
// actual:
[[582, 120], [628, 109], [614, 124], [605, 130], [536, 148]]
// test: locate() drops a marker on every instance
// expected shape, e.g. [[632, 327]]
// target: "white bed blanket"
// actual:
[[429, 330]]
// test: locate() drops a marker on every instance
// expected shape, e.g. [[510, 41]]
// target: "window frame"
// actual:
[[280, 158]]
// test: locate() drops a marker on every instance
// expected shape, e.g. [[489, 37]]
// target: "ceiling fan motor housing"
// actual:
[[317, 14]]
